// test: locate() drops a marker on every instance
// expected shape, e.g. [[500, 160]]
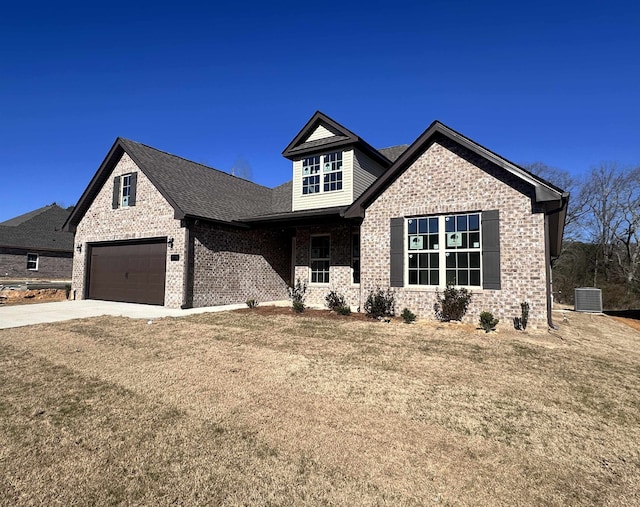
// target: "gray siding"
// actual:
[[365, 172]]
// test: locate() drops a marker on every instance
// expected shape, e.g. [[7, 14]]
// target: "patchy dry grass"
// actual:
[[241, 409]]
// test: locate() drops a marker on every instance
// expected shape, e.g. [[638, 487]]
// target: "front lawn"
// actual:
[[239, 408]]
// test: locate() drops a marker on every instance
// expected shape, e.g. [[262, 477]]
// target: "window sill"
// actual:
[[434, 288]]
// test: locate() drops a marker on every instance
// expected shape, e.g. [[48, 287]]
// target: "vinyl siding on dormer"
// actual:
[[365, 172], [322, 199], [319, 133]]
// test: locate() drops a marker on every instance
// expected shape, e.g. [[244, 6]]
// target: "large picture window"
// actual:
[[444, 250], [320, 259]]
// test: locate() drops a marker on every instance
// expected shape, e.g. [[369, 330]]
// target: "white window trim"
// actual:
[[311, 259], [321, 172], [442, 260], [37, 262], [122, 187]]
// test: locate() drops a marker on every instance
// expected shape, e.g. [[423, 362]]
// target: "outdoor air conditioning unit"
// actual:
[[588, 299]]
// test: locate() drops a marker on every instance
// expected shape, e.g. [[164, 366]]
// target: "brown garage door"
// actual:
[[128, 272]]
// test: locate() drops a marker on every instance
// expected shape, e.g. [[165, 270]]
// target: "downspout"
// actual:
[[547, 261], [547, 257]]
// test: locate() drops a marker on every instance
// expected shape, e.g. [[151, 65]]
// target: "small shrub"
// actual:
[[452, 304], [297, 294], [380, 304], [487, 322], [344, 310], [335, 301], [67, 290], [520, 323], [408, 316], [251, 303]]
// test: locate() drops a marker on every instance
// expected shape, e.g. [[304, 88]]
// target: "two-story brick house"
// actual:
[[155, 228]]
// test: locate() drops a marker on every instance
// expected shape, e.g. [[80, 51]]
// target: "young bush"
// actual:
[[67, 290], [380, 304], [452, 304], [344, 310], [297, 295], [335, 301], [520, 323], [251, 303], [408, 316], [487, 322]]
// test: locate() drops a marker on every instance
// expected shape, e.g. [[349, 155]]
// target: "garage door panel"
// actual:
[[129, 272]]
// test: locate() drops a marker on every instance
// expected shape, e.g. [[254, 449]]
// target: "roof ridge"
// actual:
[[25, 217], [204, 166]]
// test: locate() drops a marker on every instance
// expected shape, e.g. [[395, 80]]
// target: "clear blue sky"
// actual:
[[550, 81]]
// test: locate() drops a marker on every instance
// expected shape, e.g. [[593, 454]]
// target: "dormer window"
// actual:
[[311, 175], [331, 173]]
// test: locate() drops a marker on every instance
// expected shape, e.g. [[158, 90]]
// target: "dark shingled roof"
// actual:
[[318, 143], [196, 190], [40, 229], [281, 202], [394, 152]]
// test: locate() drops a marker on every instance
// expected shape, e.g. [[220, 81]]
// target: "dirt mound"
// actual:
[[21, 297]]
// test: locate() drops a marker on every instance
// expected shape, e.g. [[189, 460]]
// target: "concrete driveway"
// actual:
[[26, 315]]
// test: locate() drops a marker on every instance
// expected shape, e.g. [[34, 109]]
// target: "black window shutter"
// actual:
[[491, 249], [116, 192], [134, 185], [396, 275]]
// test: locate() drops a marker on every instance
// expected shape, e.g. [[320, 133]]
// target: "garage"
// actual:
[[131, 272]]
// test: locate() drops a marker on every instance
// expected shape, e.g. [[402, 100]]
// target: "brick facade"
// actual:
[[450, 179], [51, 265], [232, 265], [151, 217], [340, 272]]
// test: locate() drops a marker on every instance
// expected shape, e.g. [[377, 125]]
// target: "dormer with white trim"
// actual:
[[331, 165]]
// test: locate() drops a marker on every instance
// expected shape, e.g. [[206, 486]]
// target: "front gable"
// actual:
[[117, 181], [108, 217], [542, 196], [331, 165]]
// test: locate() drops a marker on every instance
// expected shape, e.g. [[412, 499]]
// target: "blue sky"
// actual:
[[556, 82]]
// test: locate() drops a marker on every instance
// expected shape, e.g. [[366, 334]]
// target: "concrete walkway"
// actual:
[[40, 313]]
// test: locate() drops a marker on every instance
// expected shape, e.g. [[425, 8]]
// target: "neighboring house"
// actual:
[[155, 228], [34, 246]]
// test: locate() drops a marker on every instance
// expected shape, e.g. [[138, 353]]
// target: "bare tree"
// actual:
[[577, 208], [628, 235], [242, 169], [605, 192]]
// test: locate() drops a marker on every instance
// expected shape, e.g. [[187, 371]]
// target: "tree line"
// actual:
[[602, 233]]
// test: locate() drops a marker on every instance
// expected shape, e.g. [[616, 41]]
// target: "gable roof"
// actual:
[[300, 146], [552, 199], [193, 190], [393, 152], [40, 229]]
